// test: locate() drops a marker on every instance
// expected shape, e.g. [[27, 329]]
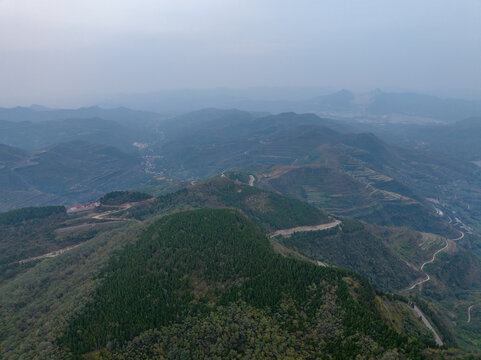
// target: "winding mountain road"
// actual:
[[427, 278]]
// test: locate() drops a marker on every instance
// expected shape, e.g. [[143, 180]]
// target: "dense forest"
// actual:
[[191, 272], [17, 216], [220, 266]]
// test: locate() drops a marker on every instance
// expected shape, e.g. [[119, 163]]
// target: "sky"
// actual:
[[64, 52]]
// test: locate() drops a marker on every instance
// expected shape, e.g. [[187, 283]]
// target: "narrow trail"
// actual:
[[469, 312], [289, 232], [50, 254], [428, 277]]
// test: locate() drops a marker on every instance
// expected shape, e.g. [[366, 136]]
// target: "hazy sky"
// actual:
[[55, 51]]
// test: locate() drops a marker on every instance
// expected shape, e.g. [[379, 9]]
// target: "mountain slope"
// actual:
[[49, 291], [268, 210], [358, 192], [354, 247], [37, 114], [64, 174], [220, 258], [389, 176]]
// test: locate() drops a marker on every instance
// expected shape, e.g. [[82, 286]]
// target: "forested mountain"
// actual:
[[221, 265], [205, 143], [188, 206], [270, 211], [370, 250], [410, 206], [353, 246], [31, 234], [65, 173]]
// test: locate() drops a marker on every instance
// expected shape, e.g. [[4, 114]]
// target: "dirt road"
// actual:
[[426, 322], [289, 232], [49, 255], [107, 215]]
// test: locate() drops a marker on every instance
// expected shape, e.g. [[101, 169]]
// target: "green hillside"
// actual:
[[354, 247], [47, 292], [258, 160], [351, 174], [269, 210], [364, 194], [29, 233], [220, 265]]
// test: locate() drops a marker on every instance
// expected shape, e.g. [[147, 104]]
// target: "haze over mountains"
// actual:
[[240, 180], [394, 106]]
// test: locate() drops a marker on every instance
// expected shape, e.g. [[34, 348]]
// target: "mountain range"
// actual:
[[298, 226]]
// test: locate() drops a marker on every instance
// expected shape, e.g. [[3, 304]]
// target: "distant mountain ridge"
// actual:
[[37, 113], [342, 103], [37, 135]]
